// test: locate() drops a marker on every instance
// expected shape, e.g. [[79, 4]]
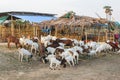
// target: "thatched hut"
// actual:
[[74, 25]]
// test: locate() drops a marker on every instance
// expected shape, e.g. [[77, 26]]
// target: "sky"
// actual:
[[60, 7]]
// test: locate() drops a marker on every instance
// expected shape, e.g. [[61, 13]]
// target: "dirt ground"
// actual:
[[102, 68]]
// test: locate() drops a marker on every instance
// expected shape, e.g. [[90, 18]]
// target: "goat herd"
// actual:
[[59, 51]]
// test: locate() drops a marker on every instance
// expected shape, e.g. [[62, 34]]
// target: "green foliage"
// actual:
[[107, 7], [69, 14]]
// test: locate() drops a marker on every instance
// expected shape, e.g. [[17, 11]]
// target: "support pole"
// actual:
[[12, 27], [56, 30]]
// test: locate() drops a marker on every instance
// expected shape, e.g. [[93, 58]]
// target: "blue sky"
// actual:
[[81, 7]]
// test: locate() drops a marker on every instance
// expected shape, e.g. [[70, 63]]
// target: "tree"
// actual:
[[108, 12]]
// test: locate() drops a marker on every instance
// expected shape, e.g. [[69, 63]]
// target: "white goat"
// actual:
[[73, 52], [23, 52], [103, 47], [65, 55], [28, 42], [51, 50], [92, 53], [53, 61]]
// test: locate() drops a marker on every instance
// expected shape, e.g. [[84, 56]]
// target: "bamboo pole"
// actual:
[[0, 31], [82, 30], [37, 30], [109, 36], [12, 27], [106, 35], [99, 33], [56, 30], [33, 30], [50, 30], [86, 37], [19, 30], [113, 36], [98, 36], [63, 30]]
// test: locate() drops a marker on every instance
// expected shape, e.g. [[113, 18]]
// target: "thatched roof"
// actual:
[[75, 20]]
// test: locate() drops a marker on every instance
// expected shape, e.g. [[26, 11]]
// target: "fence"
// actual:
[[35, 31]]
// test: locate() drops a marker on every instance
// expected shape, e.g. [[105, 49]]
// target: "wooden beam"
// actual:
[[12, 27]]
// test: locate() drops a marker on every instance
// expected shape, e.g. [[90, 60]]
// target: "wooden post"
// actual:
[[63, 29], [86, 36], [82, 30], [99, 33], [98, 36], [69, 31], [37, 30], [34, 32], [106, 35], [50, 30], [1, 31], [113, 37], [56, 30], [12, 27], [19, 30], [109, 36]]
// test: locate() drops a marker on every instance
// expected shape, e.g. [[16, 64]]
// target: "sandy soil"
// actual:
[[102, 68]]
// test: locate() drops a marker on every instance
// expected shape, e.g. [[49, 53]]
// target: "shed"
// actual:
[[29, 18]]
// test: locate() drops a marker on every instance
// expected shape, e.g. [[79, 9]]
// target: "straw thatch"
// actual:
[[75, 20], [73, 25]]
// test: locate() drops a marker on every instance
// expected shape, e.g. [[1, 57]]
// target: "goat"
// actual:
[[35, 47], [51, 50], [23, 52], [13, 39], [66, 42], [114, 46], [53, 61], [65, 55]]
